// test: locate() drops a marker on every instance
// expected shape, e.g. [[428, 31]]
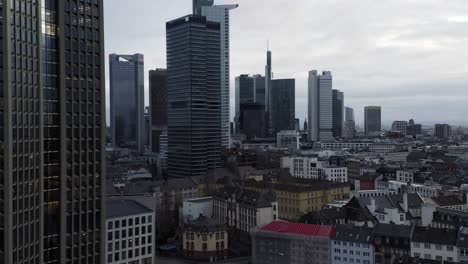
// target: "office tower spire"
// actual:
[[127, 104], [194, 97], [220, 14], [52, 132], [268, 76]]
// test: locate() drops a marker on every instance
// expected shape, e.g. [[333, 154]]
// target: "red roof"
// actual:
[[299, 229]]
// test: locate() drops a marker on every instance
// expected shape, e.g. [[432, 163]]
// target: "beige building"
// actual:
[[205, 239]]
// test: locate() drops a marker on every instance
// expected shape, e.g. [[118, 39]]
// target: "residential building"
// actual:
[[297, 197], [283, 242], [424, 190], [349, 123], [130, 232], [450, 202], [52, 132], [127, 106], [442, 131], [392, 242], [283, 106], [434, 244], [205, 239], [320, 109], [338, 112], [220, 14], [288, 139], [252, 121], [194, 107], [310, 168], [405, 176], [372, 120], [339, 145], [462, 245], [244, 209], [158, 106], [400, 127], [352, 244]]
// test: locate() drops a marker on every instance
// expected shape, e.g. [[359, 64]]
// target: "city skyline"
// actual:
[[422, 46]]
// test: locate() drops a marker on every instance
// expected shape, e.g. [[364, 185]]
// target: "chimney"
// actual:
[[372, 205], [405, 202]]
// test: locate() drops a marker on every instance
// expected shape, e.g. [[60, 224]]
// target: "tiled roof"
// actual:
[[299, 229]]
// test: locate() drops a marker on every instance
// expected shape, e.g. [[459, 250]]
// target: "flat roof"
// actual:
[[117, 207], [299, 229]]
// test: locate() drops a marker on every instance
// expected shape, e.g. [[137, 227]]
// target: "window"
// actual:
[[427, 256], [439, 258], [449, 248], [416, 244], [110, 225], [439, 247], [427, 245], [417, 255], [205, 247]]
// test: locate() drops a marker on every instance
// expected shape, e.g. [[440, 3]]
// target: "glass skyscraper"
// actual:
[[283, 106], [158, 106], [52, 131], [194, 96], [372, 120], [338, 112], [127, 104]]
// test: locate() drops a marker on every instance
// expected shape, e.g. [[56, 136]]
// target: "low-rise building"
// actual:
[[352, 244], [194, 208], [205, 239], [244, 209], [400, 126], [391, 242], [130, 232], [434, 244], [450, 202], [288, 139], [283, 242], [405, 176], [338, 145], [310, 167]]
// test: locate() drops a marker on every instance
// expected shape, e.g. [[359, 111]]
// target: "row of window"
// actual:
[[130, 243], [117, 234], [123, 223], [429, 256], [132, 253], [351, 252], [429, 246]]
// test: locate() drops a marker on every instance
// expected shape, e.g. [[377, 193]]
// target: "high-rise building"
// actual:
[[194, 97], [127, 104], [158, 105], [259, 89], [320, 106], [268, 98], [350, 123], [400, 127], [372, 120], [306, 125], [338, 112], [283, 105], [442, 131], [220, 14], [52, 132], [244, 92], [252, 120], [413, 129]]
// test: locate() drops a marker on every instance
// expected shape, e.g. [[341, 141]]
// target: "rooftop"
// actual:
[[435, 235], [117, 207], [299, 229]]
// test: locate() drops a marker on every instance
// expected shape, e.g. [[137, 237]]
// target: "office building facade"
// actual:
[[127, 104], [320, 109], [282, 104], [400, 127], [350, 123], [442, 130], [338, 112], [158, 106], [220, 14], [194, 96], [372, 120], [252, 120], [52, 132], [259, 89], [244, 92]]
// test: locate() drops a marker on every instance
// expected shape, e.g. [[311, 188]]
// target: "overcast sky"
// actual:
[[409, 56]]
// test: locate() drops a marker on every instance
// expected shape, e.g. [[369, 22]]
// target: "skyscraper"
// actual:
[[194, 96], [350, 123], [338, 112], [259, 89], [252, 120], [268, 110], [442, 131], [372, 120], [320, 106], [52, 132], [220, 14], [158, 105], [283, 105], [127, 106], [244, 92]]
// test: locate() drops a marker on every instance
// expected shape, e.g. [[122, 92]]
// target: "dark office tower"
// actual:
[[306, 126], [194, 96], [158, 105], [127, 104], [252, 120], [338, 112], [349, 124], [268, 98], [198, 4], [52, 132], [372, 120], [442, 131], [244, 93], [282, 105], [259, 89]]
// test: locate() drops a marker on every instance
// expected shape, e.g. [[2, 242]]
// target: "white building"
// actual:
[[352, 244], [310, 168], [194, 208], [434, 244], [332, 145], [288, 139], [129, 232], [320, 110], [400, 127], [405, 176], [220, 14], [244, 209], [424, 190]]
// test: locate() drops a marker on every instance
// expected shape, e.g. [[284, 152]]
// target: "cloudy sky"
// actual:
[[409, 56]]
